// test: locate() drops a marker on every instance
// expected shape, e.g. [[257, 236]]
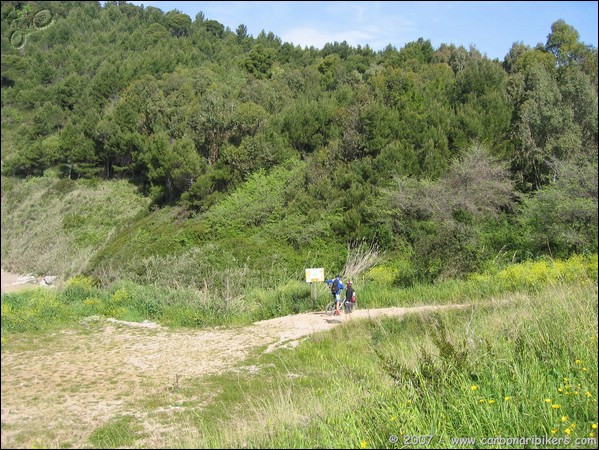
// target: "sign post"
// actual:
[[314, 276]]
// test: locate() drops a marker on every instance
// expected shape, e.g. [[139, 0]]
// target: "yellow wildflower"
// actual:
[[491, 401], [555, 406], [547, 400], [578, 361], [573, 425], [482, 400], [568, 431], [588, 394], [560, 390], [474, 387], [553, 430], [393, 418], [594, 426], [564, 419], [584, 369], [591, 434], [507, 398], [363, 444]]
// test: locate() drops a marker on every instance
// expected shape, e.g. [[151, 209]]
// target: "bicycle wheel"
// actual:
[[330, 309]]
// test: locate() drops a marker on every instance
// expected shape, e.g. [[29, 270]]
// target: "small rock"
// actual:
[[25, 279], [49, 279]]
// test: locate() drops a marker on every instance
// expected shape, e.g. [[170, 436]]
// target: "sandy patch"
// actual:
[[62, 387]]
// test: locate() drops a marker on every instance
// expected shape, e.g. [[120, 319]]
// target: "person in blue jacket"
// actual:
[[336, 285]]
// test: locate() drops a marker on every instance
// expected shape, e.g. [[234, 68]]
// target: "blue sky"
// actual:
[[491, 26]]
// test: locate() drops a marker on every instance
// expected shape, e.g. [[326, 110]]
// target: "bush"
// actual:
[[33, 309], [536, 274]]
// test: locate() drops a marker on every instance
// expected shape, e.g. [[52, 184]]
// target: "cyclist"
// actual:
[[336, 285]]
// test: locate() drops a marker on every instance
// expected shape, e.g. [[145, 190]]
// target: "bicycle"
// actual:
[[330, 308], [348, 307]]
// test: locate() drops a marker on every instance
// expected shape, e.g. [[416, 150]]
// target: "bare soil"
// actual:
[[11, 282], [59, 388]]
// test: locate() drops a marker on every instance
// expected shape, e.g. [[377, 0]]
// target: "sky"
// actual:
[[490, 26]]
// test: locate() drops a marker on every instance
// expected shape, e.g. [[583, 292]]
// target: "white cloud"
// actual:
[[306, 37]]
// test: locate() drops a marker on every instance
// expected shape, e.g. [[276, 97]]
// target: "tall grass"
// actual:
[[520, 362], [359, 259], [235, 297], [39, 309], [529, 276], [54, 227], [522, 366]]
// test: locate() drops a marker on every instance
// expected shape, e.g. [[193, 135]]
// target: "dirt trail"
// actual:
[[67, 384], [10, 282]]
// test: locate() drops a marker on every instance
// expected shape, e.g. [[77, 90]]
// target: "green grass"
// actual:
[[242, 303], [520, 362], [120, 431], [520, 365]]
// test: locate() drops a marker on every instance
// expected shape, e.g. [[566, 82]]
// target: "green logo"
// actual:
[[23, 21]]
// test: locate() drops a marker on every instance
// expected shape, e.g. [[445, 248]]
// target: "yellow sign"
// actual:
[[314, 275]]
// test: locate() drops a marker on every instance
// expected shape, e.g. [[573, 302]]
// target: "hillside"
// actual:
[[152, 147], [178, 178]]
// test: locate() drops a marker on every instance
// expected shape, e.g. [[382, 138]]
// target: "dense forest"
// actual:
[[257, 154]]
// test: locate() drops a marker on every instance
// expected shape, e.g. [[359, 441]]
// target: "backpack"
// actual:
[[335, 286]]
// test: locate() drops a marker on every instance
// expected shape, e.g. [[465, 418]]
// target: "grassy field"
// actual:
[[519, 363], [517, 366]]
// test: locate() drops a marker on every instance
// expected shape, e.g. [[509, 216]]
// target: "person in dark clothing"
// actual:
[[350, 298]]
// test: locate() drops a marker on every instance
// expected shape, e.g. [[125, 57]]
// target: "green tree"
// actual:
[[78, 156], [561, 218], [14, 68], [179, 24], [157, 32], [416, 53], [329, 67], [215, 28], [396, 159], [580, 97], [259, 61], [211, 122], [483, 108], [443, 219], [563, 42], [248, 119], [241, 32], [106, 83], [47, 119], [307, 124], [30, 162], [173, 167], [542, 126], [262, 151]]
